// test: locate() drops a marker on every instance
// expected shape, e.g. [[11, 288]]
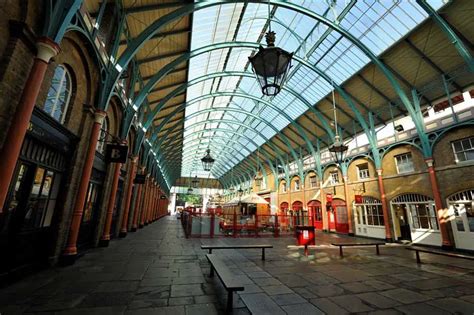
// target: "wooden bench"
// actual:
[[227, 278], [262, 246], [341, 245], [418, 249]]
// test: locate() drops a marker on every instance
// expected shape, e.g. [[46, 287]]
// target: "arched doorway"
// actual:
[[337, 216], [461, 211], [284, 207], [315, 212], [299, 215], [415, 219]]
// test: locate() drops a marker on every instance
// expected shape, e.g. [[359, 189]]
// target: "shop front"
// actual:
[[29, 221], [337, 216], [461, 212], [315, 211], [369, 220], [415, 219]]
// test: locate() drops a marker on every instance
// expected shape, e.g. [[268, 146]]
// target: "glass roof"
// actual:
[[377, 24]]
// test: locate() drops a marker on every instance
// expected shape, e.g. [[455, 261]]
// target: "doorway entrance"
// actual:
[[461, 211]]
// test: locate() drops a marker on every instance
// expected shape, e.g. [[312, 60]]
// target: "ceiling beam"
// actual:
[[163, 56], [154, 7], [159, 35]]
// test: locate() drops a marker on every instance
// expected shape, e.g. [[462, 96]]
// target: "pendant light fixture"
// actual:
[[207, 161], [337, 149], [271, 64], [258, 177]]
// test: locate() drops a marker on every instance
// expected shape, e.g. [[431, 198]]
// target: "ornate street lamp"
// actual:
[[207, 161], [240, 192], [271, 66], [190, 191]]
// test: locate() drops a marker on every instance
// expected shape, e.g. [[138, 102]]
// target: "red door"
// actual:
[[340, 216], [315, 212]]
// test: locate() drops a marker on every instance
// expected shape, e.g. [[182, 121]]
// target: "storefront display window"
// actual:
[[423, 216]]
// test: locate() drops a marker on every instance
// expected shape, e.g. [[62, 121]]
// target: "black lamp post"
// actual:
[[190, 191], [207, 161], [271, 66]]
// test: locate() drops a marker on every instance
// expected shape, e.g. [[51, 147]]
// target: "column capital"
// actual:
[[99, 116], [134, 159], [429, 161], [47, 49], [379, 171]]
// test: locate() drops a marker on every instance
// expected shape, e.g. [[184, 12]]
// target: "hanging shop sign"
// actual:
[[358, 198], [139, 179], [328, 197], [116, 153]]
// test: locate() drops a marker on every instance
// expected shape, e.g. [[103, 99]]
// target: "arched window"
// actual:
[[59, 94]]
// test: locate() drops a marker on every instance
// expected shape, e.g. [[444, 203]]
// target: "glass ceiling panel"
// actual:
[[378, 24]]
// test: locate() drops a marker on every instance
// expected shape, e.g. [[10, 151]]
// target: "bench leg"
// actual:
[[211, 274], [340, 251], [230, 302], [263, 253], [377, 248], [418, 260], [210, 250]]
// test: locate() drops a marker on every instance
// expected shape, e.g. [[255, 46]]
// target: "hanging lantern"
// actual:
[[338, 150], [258, 178], [271, 66], [231, 189], [195, 181], [190, 191], [207, 161], [240, 192]]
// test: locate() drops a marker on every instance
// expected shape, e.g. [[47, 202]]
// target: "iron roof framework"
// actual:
[[339, 45]]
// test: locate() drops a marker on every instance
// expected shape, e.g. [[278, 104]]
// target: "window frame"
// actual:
[[334, 182], [463, 151], [397, 164], [66, 79], [365, 169]]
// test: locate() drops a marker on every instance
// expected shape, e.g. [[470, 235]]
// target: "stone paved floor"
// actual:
[[158, 271]]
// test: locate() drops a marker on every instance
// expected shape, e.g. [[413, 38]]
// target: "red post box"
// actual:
[[305, 236]]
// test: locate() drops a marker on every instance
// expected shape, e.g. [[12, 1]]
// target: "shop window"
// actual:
[[297, 185], [404, 163], [334, 177], [313, 181], [370, 212], [423, 216], [59, 94], [40, 205], [463, 149], [363, 171], [91, 200], [103, 136]]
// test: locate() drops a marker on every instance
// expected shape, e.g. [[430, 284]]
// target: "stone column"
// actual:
[[145, 202], [138, 201], [441, 212], [383, 199], [348, 205], [128, 196], [71, 250], [105, 239], [324, 212], [46, 49]]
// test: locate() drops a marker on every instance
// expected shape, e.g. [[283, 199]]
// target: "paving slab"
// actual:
[[262, 304]]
